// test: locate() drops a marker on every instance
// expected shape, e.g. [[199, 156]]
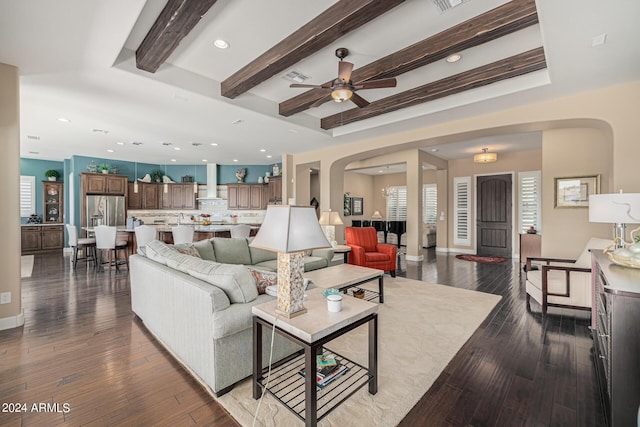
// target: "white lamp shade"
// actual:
[[330, 218], [290, 229], [619, 208]]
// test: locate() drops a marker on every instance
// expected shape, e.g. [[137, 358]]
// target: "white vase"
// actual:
[[104, 171]]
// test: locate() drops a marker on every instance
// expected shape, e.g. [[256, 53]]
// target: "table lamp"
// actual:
[[328, 221], [617, 208], [289, 231]]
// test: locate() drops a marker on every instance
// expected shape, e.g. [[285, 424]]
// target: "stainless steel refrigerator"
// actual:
[[106, 210]]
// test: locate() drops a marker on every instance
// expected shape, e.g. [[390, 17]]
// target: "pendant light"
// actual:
[[135, 180], [195, 178], [165, 186]]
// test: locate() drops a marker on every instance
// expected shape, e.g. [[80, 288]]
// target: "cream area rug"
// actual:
[[421, 327], [26, 265]]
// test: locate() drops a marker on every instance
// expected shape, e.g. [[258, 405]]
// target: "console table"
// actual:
[[616, 338], [311, 331]]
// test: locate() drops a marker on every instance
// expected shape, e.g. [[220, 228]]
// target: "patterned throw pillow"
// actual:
[[264, 279], [188, 250]]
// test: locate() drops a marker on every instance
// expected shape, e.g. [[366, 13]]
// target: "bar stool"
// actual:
[[106, 240], [87, 245], [144, 235], [182, 234], [242, 230]]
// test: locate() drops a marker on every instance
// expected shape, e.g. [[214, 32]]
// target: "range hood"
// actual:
[[212, 182]]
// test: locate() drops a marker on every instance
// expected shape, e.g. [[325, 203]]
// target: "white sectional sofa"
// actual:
[[200, 310]]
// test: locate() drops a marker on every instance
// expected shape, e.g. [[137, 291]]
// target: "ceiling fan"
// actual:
[[342, 88]]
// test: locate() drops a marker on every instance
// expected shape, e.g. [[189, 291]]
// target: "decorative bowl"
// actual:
[[330, 291]]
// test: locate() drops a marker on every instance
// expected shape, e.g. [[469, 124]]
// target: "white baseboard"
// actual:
[[439, 249], [12, 322], [414, 258], [462, 251]]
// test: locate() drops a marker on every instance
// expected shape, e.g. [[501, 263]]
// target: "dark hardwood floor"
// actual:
[[81, 345]]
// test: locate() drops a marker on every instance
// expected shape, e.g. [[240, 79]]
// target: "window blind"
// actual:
[[430, 203], [27, 195], [397, 203], [462, 211], [529, 184]]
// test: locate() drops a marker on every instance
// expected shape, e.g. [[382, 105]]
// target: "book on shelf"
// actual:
[[326, 374]]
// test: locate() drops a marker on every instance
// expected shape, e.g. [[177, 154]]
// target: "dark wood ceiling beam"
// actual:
[[498, 22], [176, 20], [507, 68], [330, 25]]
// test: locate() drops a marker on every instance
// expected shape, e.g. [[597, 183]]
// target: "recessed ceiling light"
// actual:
[[434, 150], [63, 120], [380, 171], [269, 156], [237, 122], [453, 58], [110, 151], [235, 160], [204, 160], [214, 144], [120, 143], [221, 44], [262, 150], [177, 148], [173, 160]]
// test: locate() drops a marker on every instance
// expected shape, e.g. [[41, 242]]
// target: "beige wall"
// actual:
[[360, 185], [611, 110], [10, 314], [569, 153]]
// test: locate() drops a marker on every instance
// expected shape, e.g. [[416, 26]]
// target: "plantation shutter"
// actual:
[[430, 201], [462, 211], [397, 204], [27, 195], [530, 200]]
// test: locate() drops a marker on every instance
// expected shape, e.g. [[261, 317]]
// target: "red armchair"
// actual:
[[367, 252]]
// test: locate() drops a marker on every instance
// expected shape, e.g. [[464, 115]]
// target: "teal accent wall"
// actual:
[[37, 168], [227, 173]]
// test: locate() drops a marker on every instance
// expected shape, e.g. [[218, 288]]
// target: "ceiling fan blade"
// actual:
[[305, 86], [358, 100], [344, 70], [321, 101], [377, 84]]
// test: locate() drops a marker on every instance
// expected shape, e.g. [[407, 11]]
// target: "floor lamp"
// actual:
[[289, 231]]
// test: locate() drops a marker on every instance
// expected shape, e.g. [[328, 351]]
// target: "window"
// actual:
[[397, 203], [462, 211], [27, 195], [430, 203], [530, 200]]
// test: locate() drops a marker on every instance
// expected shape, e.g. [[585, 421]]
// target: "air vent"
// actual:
[[137, 143], [166, 144], [100, 131], [196, 144], [296, 76], [445, 5], [33, 137]]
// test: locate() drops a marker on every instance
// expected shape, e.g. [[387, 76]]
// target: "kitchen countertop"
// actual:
[[41, 225], [204, 228]]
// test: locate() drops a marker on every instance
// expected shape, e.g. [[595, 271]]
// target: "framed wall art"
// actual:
[[357, 206], [574, 192]]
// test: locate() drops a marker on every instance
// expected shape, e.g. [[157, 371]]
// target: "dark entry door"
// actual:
[[493, 216]]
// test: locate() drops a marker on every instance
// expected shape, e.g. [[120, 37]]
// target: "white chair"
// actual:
[[242, 230], [182, 234], [86, 245], [144, 235], [106, 240], [563, 282]]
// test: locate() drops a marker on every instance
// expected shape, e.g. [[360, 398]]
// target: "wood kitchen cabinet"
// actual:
[[99, 183], [275, 190], [41, 238], [182, 196], [52, 201], [134, 200], [151, 195], [246, 196]]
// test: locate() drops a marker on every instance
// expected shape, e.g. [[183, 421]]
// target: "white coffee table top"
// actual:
[[342, 275], [318, 321]]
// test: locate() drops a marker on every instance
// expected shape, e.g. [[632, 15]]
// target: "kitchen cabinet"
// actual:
[[182, 196], [150, 194], [246, 196], [134, 200], [99, 183], [52, 201], [275, 190], [41, 238]]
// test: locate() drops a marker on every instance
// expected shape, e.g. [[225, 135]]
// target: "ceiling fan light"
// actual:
[[341, 95], [485, 157]]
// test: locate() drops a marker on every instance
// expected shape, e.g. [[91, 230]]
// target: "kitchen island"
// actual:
[[202, 232]]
